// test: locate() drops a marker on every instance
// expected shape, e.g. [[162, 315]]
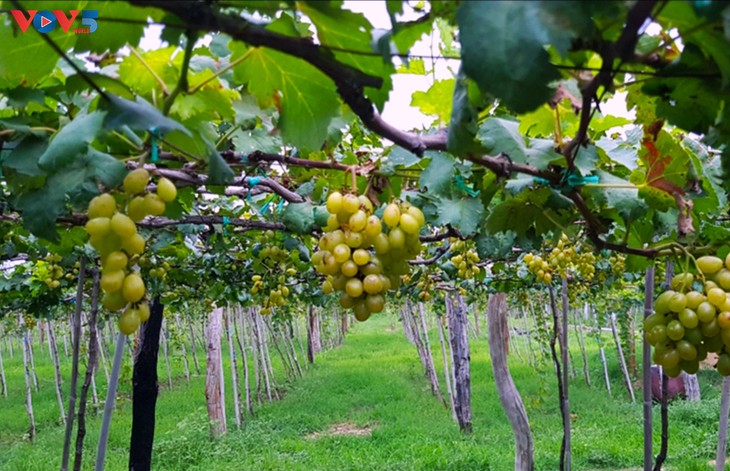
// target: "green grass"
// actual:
[[374, 380]]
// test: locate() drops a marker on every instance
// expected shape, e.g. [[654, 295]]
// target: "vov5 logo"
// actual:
[[46, 21]]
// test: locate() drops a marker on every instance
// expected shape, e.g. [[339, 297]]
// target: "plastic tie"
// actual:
[[244, 159], [253, 181], [155, 157], [568, 181], [461, 185], [281, 206], [226, 221], [265, 207]]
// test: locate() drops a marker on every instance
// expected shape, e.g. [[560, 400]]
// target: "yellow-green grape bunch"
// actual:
[[271, 286], [363, 256], [687, 324], [618, 264], [538, 267], [113, 233], [53, 271], [426, 286], [465, 259]]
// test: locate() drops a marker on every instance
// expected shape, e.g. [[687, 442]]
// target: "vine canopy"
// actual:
[[259, 97]]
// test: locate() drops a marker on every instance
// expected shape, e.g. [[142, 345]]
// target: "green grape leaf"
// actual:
[[76, 84], [105, 167], [72, 140], [340, 28], [491, 246], [26, 58], [298, 218], [620, 152], [503, 50], [501, 135], [24, 157], [39, 209], [463, 123], [115, 35], [309, 100], [139, 116], [139, 78], [398, 157], [436, 100], [437, 177], [464, 214], [219, 172]]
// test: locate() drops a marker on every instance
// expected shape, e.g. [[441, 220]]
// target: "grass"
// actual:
[[373, 382]]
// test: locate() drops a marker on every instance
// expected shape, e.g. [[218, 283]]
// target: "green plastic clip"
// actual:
[[155, 156], [461, 185], [226, 220], [568, 181]]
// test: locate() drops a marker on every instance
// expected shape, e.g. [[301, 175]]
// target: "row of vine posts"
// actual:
[[86, 337], [503, 339]]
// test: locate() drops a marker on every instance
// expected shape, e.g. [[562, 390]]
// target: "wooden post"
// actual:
[[213, 393], [90, 366], [241, 339], [605, 371], [76, 342], [53, 349], [460, 348], [447, 369], [582, 344], [163, 338], [193, 347], [646, 370], [429, 357], [621, 359], [4, 383], [310, 334], [28, 381], [508, 394], [234, 369], [31, 357], [186, 366], [145, 390]]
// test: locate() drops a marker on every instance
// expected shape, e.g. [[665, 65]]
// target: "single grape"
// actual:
[[102, 206], [334, 202], [166, 190], [129, 321], [391, 215], [133, 287], [136, 181]]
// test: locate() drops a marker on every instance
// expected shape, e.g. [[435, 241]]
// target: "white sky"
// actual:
[[398, 110]]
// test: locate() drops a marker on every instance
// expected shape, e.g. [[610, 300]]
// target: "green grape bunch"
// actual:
[[112, 231], [362, 256], [692, 318]]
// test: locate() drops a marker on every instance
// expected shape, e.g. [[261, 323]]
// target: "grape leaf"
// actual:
[[114, 35], [72, 140], [437, 177], [298, 217], [26, 58], [436, 100], [139, 116], [308, 102], [339, 28], [503, 50], [464, 214]]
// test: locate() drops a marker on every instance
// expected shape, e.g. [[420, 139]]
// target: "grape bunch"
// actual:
[[565, 258], [687, 323], [270, 285], [464, 258], [113, 233], [363, 256], [52, 271]]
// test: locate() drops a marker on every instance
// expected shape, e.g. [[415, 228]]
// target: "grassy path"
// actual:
[[367, 406]]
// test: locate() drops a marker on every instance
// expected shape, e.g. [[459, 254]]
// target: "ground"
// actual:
[[367, 405]]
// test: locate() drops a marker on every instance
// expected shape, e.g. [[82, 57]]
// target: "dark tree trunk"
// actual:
[[144, 392]]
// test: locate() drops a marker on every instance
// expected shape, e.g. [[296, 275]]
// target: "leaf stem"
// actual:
[[182, 84], [221, 72], [157, 78]]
